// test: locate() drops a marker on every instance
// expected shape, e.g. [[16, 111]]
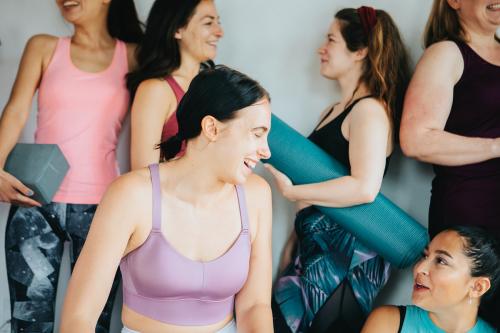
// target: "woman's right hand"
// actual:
[[14, 192]]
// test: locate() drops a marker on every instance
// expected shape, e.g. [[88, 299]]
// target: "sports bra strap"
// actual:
[[155, 180], [402, 315], [242, 202]]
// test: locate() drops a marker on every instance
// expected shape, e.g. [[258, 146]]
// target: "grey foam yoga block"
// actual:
[[381, 225], [41, 167]]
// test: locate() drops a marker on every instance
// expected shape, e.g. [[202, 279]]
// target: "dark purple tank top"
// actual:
[[470, 194]]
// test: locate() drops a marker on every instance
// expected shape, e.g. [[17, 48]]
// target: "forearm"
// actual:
[[258, 318], [339, 192], [444, 148], [11, 126], [74, 324]]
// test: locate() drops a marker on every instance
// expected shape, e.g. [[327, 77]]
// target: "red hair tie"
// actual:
[[368, 18]]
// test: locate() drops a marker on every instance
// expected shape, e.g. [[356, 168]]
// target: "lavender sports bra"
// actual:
[[162, 284]]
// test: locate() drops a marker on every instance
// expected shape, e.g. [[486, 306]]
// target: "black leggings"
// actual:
[[341, 313], [34, 246]]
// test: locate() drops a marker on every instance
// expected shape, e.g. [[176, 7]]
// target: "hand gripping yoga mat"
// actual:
[[380, 225]]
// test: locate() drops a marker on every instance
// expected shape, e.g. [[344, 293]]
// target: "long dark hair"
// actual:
[[482, 248], [159, 54], [386, 72], [123, 21], [219, 92]]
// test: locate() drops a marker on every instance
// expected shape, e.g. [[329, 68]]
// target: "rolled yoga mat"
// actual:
[[380, 225]]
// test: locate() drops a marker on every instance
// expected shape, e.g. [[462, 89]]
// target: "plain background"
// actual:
[[273, 41]]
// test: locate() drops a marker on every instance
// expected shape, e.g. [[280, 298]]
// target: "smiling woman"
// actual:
[[192, 235], [179, 37], [82, 102], [458, 272]]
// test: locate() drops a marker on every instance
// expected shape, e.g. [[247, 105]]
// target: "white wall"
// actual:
[[275, 42]]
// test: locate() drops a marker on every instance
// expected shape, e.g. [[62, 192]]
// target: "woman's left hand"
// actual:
[[284, 183]]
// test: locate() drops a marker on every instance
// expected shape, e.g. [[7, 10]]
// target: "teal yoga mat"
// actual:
[[380, 225]]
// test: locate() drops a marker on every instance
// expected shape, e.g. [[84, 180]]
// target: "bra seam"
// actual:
[[171, 299]]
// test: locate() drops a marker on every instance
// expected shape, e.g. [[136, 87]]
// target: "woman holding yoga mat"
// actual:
[[82, 101], [458, 271], [451, 113], [180, 36], [192, 235], [329, 279]]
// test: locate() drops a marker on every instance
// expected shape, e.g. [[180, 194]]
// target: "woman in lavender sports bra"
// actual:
[[192, 235], [180, 36]]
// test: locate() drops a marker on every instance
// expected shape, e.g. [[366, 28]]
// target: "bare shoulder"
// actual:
[[441, 60], [42, 40], [43, 45], [257, 188], [443, 49], [131, 187], [383, 319], [259, 201], [155, 88], [369, 109]]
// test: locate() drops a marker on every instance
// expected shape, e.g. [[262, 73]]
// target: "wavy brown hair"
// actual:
[[386, 71], [443, 24]]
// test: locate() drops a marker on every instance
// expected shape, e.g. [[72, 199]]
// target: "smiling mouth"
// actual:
[[251, 164], [494, 6], [70, 3], [420, 287]]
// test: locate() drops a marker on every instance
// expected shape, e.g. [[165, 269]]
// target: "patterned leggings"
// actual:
[[34, 246]]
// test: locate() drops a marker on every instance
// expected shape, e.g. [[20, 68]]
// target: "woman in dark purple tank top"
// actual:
[[451, 115], [180, 38]]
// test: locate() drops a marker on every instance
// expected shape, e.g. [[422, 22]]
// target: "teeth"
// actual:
[[250, 164], [494, 6], [70, 3]]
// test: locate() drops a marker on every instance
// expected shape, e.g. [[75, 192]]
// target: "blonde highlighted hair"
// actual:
[[443, 24]]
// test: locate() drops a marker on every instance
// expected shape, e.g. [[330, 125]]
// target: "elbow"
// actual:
[[368, 194], [410, 146]]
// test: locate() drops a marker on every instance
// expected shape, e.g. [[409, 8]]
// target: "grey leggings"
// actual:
[[229, 328]]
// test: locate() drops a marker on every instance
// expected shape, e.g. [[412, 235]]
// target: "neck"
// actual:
[[480, 37], [457, 320], [93, 35], [350, 87], [193, 179], [189, 67]]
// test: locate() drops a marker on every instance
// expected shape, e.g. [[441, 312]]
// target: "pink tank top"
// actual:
[[162, 284], [83, 112]]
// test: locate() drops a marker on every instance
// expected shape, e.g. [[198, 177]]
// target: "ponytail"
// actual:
[[170, 148], [386, 71]]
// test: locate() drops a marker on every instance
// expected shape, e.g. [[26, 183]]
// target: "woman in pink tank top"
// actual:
[[180, 36], [82, 101], [192, 235]]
